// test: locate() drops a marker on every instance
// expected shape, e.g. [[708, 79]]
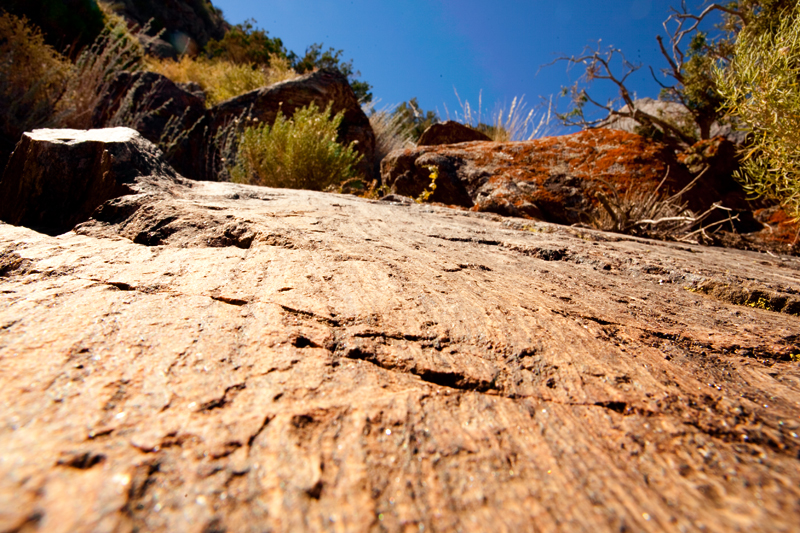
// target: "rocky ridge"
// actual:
[[221, 357], [167, 113]]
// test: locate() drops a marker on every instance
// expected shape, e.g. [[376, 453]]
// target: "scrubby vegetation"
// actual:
[[115, 50], [392, 133], [222, 79], [300, 152], [246, 44], [66, 25], [760, 87], [32, 81], [515, 123], [690, 55]]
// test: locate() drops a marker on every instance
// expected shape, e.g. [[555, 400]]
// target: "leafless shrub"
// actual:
[[644, 213]]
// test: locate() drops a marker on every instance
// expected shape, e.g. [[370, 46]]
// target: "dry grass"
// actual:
[[645, 213], [517, 123], [221, 79], [32, 78], [116, 50], [391, 132]]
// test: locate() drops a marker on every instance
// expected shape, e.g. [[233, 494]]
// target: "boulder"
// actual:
[[199, 155], [675, 113], [450, 132], [57, 178], [187, 25], [149, 102], [221, 357], [555, 179]]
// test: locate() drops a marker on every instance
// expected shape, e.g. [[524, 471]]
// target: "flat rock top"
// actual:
[[67, 136], [289, 360]]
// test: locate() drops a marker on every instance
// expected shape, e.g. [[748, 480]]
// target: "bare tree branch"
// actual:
[[598, 67]]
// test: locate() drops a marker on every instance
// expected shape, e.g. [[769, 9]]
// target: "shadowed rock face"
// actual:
[[57, 178], [150, 102], [187, 24], [233, 358]]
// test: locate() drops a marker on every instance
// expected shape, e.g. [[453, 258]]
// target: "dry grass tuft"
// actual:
[[515, 124], [644, 213], [391, 130], [32, 79], [116, 50], [222, 79]]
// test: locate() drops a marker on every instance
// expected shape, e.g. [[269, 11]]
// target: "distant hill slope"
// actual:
[[187, 24]]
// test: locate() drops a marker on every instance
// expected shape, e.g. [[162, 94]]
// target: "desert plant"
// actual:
[[116, 50], [391, 132], [514, 124], [296, 153], [246, 44], [761, 88], [32, 78], [690, 54], [315, 58], [222, 79], [644, 212], [413, 119], [425, 195]]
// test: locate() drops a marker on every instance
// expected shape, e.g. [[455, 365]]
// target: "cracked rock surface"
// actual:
[[234, 358]]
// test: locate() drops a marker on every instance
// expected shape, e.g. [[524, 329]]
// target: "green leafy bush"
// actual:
[[244, 43], [761, 88], [296, 153], [315, 58]]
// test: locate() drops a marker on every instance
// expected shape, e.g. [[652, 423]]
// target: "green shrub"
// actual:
[[296, 153], [761, 88], [246, 44]]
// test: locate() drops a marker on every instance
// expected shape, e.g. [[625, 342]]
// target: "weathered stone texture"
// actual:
[[271, 360]]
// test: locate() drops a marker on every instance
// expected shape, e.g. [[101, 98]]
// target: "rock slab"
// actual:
[[232, 358], [56, 178]]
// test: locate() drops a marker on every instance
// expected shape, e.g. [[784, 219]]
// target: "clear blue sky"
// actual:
[[426, 48]]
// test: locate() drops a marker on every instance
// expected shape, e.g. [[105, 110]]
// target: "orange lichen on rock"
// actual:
[[555, 178], [779, 227]]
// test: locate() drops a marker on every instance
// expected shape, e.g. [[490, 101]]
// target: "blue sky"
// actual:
[[426, 48]]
